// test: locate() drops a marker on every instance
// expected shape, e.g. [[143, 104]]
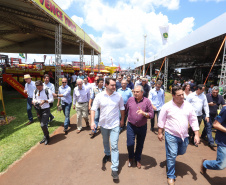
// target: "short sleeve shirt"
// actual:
[[220, 137], [219, 100]]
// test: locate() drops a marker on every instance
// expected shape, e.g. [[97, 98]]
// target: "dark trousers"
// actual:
[[29, 108], [191, 132], [207, 131], [44, 119], [140, 134], [153, 119]]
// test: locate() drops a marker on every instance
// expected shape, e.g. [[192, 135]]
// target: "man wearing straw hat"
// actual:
[[29, 90]]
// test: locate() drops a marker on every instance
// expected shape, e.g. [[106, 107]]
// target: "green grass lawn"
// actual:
[[16, 138]]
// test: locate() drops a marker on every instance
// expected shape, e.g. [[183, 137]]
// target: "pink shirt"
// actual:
[[175, 119]]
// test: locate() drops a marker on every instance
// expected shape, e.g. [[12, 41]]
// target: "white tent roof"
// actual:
[[212, 29]]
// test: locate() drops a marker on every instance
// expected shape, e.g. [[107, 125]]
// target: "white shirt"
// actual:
[[88, 86], [30, 88], [42, 96], [81, 95], [50, 86], [74, 78], [109, 109], [198, 102]]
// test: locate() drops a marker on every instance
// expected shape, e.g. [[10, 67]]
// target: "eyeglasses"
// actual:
[[64, 82]]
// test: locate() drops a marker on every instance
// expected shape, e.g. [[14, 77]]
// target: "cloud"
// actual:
[[152, 4], [65, 4], [78, 20], [123, 27], [207, 0]]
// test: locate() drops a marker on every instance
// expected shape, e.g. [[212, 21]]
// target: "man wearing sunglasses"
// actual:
[[64, 94]]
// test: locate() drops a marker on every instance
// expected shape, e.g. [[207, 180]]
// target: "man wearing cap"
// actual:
[[91, 78], [29, 90], [80, 76], [41, 102]]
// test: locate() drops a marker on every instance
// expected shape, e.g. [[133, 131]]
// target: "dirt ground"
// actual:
[[75, 159]]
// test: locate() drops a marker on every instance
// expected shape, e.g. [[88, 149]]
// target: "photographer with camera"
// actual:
[[41, 102]]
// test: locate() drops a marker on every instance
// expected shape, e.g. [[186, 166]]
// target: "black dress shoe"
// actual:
[[47, 141], [43, 140], [212, 146], [106, 158], [114, 174]]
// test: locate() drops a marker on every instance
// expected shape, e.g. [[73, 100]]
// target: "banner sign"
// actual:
[[50, 7], [164, 30], [77, 64]]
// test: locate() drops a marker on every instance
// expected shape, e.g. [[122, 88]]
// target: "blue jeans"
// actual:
[[29, 107], [219, 163], [96, 119], [132, 132], [114, 137], [207, 131], [66, 109], [174, 146]]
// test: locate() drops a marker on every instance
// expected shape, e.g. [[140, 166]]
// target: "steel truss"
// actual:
[[151, 67], [58, 51], [223, 68], [81, 52], [92, 60], [99, 61], [166, 73]]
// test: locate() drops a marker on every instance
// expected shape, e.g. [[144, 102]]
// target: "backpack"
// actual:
[[47, 94]]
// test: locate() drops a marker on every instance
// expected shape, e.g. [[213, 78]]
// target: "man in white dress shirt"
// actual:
[[48, 85], [41, 102], [110, 103], [199, 102], [81, 96], [29, 90]]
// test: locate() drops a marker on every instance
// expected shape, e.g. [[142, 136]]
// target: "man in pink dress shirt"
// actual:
[[174, 117]]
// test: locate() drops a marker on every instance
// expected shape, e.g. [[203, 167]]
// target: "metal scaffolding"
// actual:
[[166, 73], [99, 61], [151, 67], [58, 51], [81, 52], [92, 60], [223, 69]]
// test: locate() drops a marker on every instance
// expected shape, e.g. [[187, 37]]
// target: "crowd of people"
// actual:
[[116, 103]]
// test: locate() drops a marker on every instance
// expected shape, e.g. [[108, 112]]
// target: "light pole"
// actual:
[[144, 54]]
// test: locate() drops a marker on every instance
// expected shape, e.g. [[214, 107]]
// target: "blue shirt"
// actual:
[[220, 137], [157, 98], [80, 77], [118, 85], [126, 94], [130, 85], [66, 91]]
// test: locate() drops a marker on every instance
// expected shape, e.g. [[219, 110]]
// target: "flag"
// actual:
[[21, 55], [164, 30]]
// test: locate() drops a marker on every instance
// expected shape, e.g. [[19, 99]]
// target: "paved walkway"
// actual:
[[75, 159]]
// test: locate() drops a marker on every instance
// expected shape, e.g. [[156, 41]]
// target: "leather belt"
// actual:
[[82, 102]]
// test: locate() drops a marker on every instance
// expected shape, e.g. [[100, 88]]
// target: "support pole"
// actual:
[[81, 46], [166, 73], [145, 36], [151, 68], [223, 67], [99, 61], [58, 51], [92, 60]]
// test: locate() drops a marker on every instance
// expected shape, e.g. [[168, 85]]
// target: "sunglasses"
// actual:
[[64, 82]]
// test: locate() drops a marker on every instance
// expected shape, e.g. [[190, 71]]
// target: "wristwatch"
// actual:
[[146, 114], [57, 95]]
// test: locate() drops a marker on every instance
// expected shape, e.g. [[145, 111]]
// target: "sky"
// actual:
[[119, 26]]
